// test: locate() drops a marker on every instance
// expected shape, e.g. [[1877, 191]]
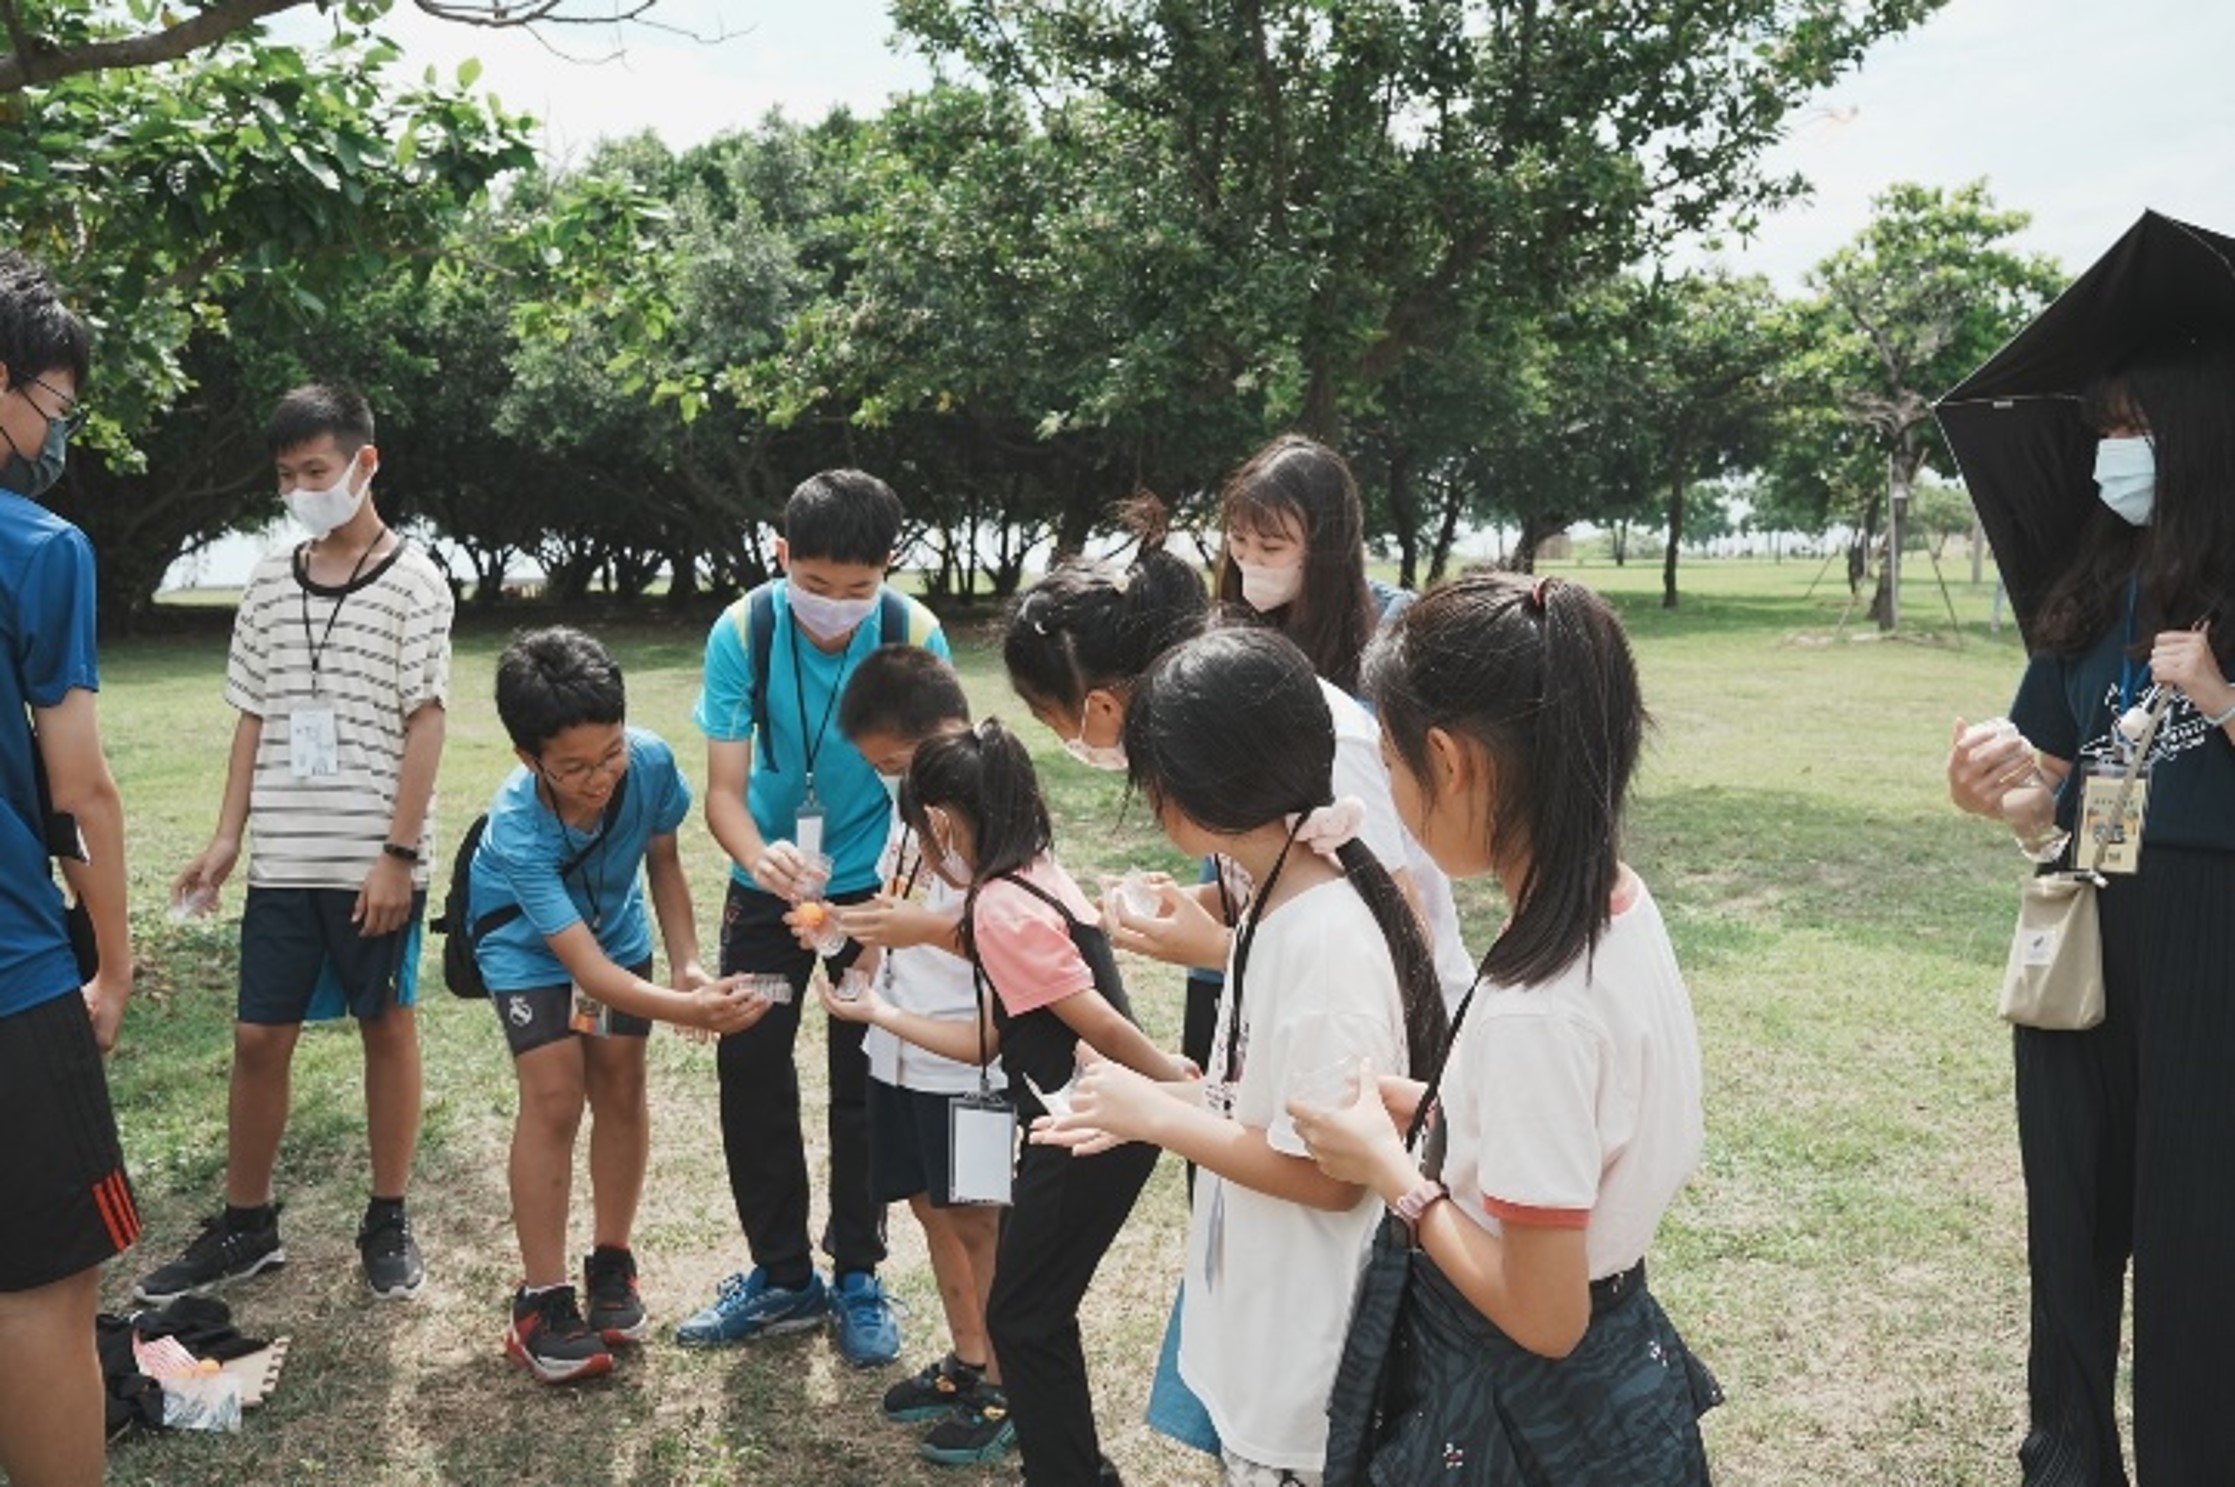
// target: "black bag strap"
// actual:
[[504, 914]]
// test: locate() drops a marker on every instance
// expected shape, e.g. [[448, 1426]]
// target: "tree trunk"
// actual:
[[1675, 537], [1447, 530], [1901, 477], [1404, 515]]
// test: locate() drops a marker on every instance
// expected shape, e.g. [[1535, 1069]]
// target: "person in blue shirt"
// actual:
[[800, 812], [565, 946], [68, 1203]]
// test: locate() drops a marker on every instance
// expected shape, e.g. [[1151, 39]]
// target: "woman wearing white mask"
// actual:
[[2122, 1126]]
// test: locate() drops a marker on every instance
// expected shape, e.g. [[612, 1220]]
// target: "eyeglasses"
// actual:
[[75, 412], [578, 771]]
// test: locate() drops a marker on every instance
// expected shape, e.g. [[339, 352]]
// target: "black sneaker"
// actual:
[[976, 1431], [390, 1255], [218, 1254], [934, 1392], [550, 1340], [609, 1281]]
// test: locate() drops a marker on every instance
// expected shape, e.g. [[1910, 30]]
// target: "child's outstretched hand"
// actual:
[[863, 1008], [806, 921], [1355, 1143], [1181, 932], [894, 923], [1109, 1106], [727, 1005]]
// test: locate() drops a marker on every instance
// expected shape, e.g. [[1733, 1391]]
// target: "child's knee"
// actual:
[[262, 1049], [553, 1112]]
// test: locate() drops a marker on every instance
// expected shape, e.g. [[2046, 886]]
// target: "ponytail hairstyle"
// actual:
[[985, 776], [1092, 625], [1538, 675], [2180, 395], [1232, 731], [1300, 479]]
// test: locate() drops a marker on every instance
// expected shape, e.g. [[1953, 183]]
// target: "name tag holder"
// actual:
[[313, 744]]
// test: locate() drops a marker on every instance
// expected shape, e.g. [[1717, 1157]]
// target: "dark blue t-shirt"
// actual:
[[46, 620], [2066, 709]]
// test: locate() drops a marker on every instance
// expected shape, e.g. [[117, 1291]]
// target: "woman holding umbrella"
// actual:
[[2124, 1127]]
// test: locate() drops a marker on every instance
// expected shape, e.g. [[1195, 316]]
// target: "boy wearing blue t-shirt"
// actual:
[[784, 792], [68, 1205], [562, 940]]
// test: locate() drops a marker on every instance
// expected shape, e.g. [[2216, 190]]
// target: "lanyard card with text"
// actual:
[[981, 1149]]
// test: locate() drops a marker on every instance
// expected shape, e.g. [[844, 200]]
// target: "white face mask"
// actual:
[[828, 618], [320, 511], [1266, 588], [2126, 477]]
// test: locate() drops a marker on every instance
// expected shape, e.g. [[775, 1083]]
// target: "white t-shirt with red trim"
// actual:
[[1576, 1103]]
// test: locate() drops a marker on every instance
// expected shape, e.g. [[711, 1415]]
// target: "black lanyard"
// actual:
[[578, 861], [318, 647], [1244, 938], [900, 888], [812, 746]]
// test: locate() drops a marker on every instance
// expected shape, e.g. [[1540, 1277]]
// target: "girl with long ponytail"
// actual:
[[1230, 739]]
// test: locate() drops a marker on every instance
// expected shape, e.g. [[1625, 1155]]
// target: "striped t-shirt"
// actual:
[[381, 647]]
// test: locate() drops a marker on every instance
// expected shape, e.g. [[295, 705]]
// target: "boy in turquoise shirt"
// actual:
[[791, 800]]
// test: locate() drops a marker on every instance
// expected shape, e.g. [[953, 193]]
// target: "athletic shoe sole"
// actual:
[[920, 1414], [616, 1336], [767, 1329], [273, 1261], [594, 1366], [396, 1293], [1000, 1446]]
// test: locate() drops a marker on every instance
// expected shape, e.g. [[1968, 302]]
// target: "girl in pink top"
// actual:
[[973, 798]]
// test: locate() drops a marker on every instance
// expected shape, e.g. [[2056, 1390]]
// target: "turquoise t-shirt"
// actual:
[[525, 845], [804, 683]]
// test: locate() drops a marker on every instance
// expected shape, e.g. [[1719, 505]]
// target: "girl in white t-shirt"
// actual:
[[1230, 738], [1567, 1115]]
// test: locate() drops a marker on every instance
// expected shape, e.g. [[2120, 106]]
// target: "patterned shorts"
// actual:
[[1240, 1473]]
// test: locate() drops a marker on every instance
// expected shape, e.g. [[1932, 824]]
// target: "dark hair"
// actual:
[[320, 408], [903, 690], [1332, 616], [1232, 730], [38, 334], [1092, 624], [2185, 557], [554, 679], [842, 516], [1537, 674], [985, 775]]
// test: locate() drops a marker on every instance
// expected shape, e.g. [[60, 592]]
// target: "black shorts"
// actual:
[[291, 936], [908, 1144], [545, 1014], [69, 1205]]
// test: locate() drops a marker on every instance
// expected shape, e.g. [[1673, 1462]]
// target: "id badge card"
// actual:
[[981, 1149], [2118, 835], [313, 747], [808, 835], [590, 1017]]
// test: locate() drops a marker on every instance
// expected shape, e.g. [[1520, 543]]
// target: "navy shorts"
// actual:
[[908, 1144], [69, 1205], [293, 939], [545, 1014]]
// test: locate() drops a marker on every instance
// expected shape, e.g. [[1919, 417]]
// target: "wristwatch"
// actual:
[[400, 852]]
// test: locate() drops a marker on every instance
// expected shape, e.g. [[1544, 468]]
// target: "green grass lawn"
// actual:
[[1849, 1258]]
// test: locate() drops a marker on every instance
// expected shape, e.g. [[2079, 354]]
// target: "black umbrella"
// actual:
[[2014, 425]]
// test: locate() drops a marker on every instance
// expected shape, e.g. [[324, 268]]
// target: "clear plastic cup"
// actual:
[[852, 986], [197, 902], [770, 986], [814, 877], [1133, 896]]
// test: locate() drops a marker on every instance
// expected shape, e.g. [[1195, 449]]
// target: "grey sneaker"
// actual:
[[391, 1256], [220, 1253]]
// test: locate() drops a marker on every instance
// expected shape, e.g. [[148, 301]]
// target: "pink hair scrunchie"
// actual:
[[1326, 828]]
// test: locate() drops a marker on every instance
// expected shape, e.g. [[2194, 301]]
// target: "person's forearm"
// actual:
[[1108, 1032], [671, 905], [240, 778], [732, 826], [415, 780], [100, 882], [964, 1042], [1241, 1154]]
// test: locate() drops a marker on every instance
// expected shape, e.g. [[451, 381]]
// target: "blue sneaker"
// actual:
[[748, 1306], [867, 1335]]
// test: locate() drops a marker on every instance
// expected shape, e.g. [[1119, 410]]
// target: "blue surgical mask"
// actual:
[[2126, 476], [34, 478]]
